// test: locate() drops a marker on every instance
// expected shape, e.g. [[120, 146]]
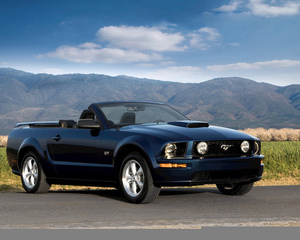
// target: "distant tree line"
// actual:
[[272, 134]]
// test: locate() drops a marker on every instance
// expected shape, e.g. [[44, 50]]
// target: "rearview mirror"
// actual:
[[87, 123]]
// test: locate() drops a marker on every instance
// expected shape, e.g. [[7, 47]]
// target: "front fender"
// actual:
[[150, 146]]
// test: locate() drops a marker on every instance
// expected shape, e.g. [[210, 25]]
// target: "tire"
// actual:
[[32, 175], [135, 180], [235, 188]]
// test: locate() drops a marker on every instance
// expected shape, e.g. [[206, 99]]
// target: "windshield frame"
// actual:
[[176, 114]]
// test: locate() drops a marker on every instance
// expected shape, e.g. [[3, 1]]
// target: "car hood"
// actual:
[[181, 132]]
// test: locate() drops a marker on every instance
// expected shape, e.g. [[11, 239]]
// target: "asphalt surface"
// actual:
[[175, 208]]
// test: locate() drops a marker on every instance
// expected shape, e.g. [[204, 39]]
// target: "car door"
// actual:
[[82, 154]]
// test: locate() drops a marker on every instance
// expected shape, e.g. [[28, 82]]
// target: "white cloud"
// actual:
[[125, 44], [141, 38], [234, 44], [165, 63], [260, 8], [90, 45], [146, 65], [203, 37], [231, 7], [184, 69], [89, 53], [263, 8], [256, 65], [212, 33]]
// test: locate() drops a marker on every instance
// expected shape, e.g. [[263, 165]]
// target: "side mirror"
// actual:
[[87, 123]]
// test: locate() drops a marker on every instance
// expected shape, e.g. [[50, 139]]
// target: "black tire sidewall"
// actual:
[[37, 185], [238, 189], [137, 157]]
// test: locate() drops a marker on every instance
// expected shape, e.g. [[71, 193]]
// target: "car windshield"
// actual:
[[123, 114]]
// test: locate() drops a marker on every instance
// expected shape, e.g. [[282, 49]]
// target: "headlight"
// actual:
[[245, 146], [202, 148], [256, 148], [170, 150]]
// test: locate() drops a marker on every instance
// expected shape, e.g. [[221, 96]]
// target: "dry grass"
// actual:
[[272, 134], [3, 141], [284, 181]]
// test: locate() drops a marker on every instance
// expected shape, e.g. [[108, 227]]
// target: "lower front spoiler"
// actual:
[[203, 182], [212, 171]]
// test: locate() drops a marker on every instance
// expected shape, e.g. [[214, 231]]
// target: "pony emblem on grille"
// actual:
[[225, 147]]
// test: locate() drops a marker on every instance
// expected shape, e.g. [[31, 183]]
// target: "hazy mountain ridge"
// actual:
[[292, 92], [231, 102]]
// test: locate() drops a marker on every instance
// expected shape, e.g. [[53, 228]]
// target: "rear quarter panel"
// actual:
[[23, 140]]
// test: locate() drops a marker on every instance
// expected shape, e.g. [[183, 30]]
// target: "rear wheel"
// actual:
[[32, 175], [235, 188], [136, 180]]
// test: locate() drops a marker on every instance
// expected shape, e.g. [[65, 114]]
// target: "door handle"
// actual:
[[57, 138]]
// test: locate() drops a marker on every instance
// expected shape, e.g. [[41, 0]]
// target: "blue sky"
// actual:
[[184, 41]]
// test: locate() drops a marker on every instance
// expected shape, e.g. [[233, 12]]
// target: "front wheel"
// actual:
[[32, 175], [235, 188], [136, 180]]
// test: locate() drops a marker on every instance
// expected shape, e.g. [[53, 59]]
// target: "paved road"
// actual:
[[174, 208]]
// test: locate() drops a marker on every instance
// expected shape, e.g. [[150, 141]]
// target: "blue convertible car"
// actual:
[[136, 147]]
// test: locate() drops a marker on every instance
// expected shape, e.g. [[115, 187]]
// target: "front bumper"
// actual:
[[209, 171]]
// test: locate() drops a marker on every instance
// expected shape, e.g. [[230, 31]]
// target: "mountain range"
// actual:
[[230, 102]]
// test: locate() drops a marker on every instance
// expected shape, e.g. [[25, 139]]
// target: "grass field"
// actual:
[[282, 166], [8, 181], [282, 159]]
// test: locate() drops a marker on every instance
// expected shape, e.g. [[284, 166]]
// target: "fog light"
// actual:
[[202, 148], [245, 146]]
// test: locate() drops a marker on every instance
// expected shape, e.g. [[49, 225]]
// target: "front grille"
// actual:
[[222, 149], [224, 175]]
